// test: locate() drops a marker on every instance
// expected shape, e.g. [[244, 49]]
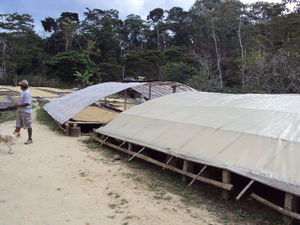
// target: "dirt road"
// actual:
[[58, 180]]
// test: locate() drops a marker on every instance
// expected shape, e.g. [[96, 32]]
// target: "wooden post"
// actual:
[[129, 146], [226, 178], [187, 166], [75, 131], [174, 89], [150, 87], [174, 169], [125, 100], [67, 129], [290, 204]]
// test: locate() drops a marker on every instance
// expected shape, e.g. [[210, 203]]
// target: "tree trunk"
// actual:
[[3, 64], [243, 55], [157, 35], [217, 53], [123, 72]]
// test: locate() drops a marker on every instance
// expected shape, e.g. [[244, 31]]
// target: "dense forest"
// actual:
[[218, 45]]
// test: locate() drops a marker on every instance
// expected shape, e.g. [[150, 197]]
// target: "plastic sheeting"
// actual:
[[257, 136], [64, 108]]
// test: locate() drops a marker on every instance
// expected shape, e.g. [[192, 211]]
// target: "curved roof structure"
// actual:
[[257, 136], [64, 108]]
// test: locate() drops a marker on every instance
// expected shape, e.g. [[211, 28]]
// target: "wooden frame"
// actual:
[[288, 211], [227, 187]]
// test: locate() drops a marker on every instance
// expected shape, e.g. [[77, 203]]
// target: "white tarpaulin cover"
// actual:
[[254, 135], [64, 108]]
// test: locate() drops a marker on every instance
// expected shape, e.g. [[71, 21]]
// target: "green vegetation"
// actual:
[[65, 65], [218, 45], [8, 115], [43, 117]]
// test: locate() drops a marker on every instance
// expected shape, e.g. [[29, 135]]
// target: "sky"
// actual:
[[40, 9]]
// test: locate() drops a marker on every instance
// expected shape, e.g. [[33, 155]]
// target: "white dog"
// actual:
[[9, 140]]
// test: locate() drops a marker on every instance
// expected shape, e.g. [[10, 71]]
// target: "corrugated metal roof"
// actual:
[[64, 108], [159, 89], [254, 135]]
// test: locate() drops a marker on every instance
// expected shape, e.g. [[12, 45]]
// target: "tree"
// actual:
[[155, 18], [67, 23], [205, 12], [177, 23], [13, 26], [147, 64], [64, 65], [134, 32], [179, 72]]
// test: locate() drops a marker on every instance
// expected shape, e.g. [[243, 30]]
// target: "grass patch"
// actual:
[[113, 205], [8, 115], [43, 117]]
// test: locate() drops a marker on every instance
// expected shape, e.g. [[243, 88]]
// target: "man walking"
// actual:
[[24, 112]]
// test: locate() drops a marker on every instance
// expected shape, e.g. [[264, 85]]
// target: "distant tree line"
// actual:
[[218, 45]]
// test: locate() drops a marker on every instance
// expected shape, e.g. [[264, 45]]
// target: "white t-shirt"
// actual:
[[25, 97]]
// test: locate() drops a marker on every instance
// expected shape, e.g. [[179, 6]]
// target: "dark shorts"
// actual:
[[24, 120]]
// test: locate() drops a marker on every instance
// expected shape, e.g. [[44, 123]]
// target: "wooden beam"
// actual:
[[104, 141], [201, 171], [244, 190], [122, 143], [226, 179], [167, 163], [83, 122], [227, 187], [137, 153], [276, 207]]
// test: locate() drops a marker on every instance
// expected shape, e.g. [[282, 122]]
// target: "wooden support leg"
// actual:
[[129, 146], [226, 178], [67, 129], [184, 168], [187, 166], [290, 203]]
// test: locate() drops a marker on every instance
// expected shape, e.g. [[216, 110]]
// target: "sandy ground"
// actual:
[[57, 180]]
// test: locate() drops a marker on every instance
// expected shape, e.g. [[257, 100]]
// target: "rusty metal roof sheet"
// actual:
[[159, 89]]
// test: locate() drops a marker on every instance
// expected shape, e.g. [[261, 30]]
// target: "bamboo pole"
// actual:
[[276, 207], [169, 160], [201, 171], [136, 153], [244, 190]]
